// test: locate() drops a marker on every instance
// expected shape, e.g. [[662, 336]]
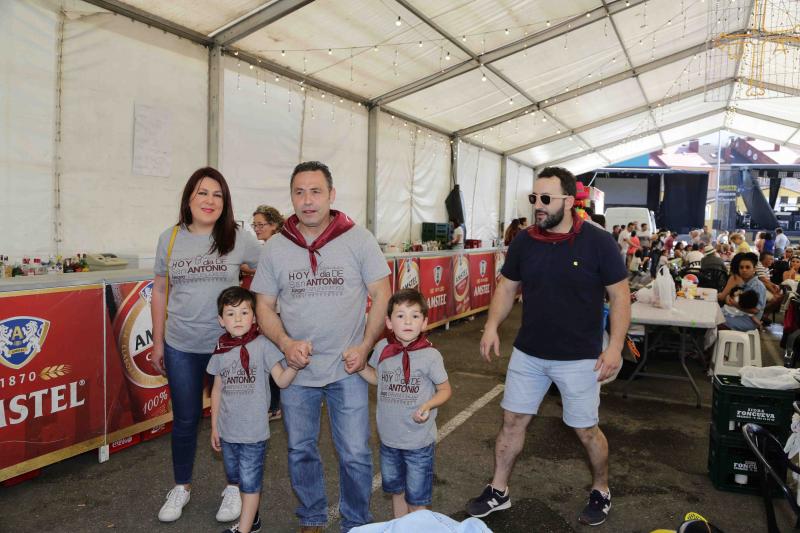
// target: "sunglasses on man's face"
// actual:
[[545, 198]]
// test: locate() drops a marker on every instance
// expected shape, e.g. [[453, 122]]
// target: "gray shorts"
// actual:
[[529, 378]]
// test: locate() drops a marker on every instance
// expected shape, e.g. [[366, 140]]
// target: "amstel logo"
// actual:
[[21, 338]]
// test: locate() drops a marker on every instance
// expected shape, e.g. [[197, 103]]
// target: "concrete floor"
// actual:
[[658, 442]]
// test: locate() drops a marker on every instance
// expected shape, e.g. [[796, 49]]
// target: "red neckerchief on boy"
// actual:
[[396, 347], [228, 342], [543, 235], [340, 223]]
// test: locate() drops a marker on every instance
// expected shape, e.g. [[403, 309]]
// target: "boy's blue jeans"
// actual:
[[348, 409], [185, 373]]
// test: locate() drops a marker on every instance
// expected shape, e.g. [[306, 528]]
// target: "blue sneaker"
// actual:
[[596, 511]]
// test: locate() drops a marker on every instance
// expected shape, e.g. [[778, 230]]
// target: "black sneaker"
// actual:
[[255, 529], [596, 511], [489, 501]]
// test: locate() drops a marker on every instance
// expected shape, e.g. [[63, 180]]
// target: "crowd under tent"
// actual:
[[108, 105]]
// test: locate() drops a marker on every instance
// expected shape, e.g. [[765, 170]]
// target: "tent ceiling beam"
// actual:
[[476, 61], [569, 95], [621, 115], [612, 144], [636, 76], [792, 91], [121, 8], [454, 40], [280, 70], [739, 59], [264, 16], [768, 118]]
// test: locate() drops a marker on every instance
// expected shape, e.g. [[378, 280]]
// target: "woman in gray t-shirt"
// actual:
[[206, 253]]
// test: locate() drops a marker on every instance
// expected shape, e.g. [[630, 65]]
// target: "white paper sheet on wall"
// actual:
[[152, 143]]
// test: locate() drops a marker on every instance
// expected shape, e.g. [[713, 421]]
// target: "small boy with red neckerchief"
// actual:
[[241, 365], [412, 384]]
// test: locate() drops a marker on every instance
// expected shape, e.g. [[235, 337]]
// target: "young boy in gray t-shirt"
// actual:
[[241, 365], [412, 383]]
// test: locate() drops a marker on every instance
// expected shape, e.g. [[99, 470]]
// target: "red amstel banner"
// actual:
[[481, 279], [132, 325], [435, 284], [460, 302], [407, 273], [51, 374]]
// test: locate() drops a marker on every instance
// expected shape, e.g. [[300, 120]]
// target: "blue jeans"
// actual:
[[408, 472], [244, 464], [348, 410], [185, 373]]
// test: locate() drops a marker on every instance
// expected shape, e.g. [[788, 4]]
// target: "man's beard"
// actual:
[[551, 220]]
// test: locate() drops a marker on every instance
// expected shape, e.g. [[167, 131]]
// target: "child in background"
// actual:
[[241, 365], [412, 383], [746, 305], [636, 263]]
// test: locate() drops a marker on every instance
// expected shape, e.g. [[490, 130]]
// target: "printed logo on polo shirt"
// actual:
[[235, 380], [394, 389], [328, 282], [200, 268], [21, 339]]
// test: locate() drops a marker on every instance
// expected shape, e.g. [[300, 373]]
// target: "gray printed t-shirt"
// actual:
[[328, 309], [196, 278], [398, 400], [245, 400]]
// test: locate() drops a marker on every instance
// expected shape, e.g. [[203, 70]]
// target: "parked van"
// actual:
[[620, 216]]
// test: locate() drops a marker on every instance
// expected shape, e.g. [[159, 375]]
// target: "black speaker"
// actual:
[[455, 209]]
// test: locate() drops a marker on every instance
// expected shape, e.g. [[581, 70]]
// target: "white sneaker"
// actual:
[[173, 507], [231, 506]]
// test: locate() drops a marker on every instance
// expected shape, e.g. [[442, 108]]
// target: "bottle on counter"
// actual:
[[2, 267], [84, 263]]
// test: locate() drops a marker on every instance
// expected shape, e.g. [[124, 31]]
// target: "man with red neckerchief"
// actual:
[[321, 267], [565, 268]]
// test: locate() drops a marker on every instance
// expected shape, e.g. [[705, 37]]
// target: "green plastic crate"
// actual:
[[729, 456], [734, 405]]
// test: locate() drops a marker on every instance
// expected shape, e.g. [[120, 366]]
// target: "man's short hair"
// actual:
[[778, 230], [567, 179], [764, 255], [748, 299], [234, 296], [408, 297], [312, 166]]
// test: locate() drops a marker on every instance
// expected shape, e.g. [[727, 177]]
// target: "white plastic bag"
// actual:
[[644, 295], [770, 377], [664, 289]]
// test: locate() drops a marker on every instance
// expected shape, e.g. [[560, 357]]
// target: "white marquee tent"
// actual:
[[107, 106]]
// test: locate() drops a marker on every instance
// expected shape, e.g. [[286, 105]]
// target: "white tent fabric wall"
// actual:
[[431, 181], [261, 142], [336, 134], [101, 198], [479, 180], [28, 35], [519, 184], [413, 179], [394, 180]]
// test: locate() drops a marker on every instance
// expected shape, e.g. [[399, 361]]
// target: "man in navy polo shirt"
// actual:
[[565, 267]]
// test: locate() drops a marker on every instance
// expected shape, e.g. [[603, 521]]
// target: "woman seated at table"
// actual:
[[743, 275], [794, 269], [678, 252]]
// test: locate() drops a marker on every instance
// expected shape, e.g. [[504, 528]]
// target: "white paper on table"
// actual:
[[152, 142]]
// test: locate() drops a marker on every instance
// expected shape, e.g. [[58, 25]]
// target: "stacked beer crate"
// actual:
[[731, 464]]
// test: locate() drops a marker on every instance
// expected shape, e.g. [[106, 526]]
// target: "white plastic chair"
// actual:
[[736, 349]]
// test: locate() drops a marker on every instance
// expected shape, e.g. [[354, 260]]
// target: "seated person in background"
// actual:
[[781, 265], [711, 261], [694, 257], [794, 269], [739, 244], [511, 231], [775, 295], [636, 263], [678, 252], [743, 274], [746, 305]]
